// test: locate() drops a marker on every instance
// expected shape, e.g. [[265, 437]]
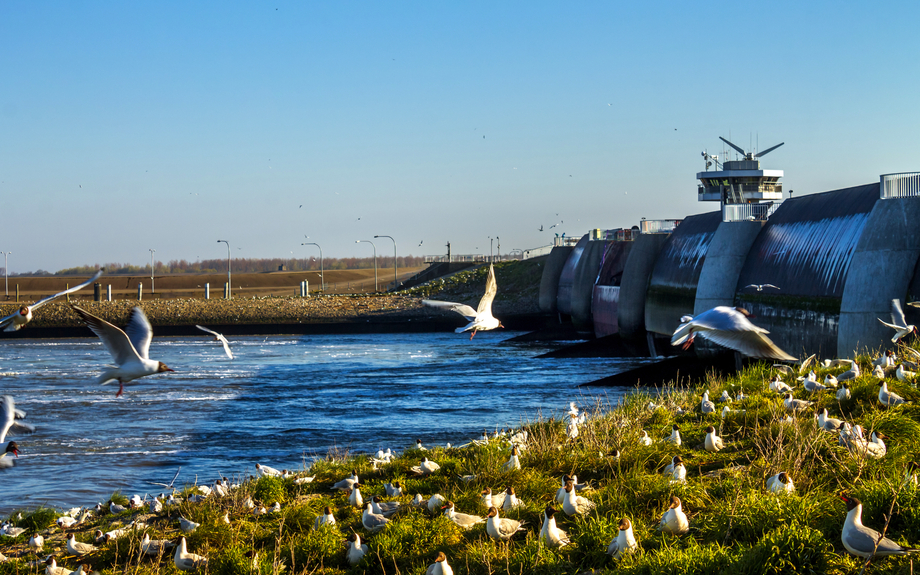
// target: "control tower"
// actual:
[[739, 181]]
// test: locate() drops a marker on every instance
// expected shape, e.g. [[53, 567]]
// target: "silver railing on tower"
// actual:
[[903, 185]]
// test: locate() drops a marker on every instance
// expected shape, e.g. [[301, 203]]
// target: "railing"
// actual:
[[748, 212], [456, 258], [658, 226], [903, 185]]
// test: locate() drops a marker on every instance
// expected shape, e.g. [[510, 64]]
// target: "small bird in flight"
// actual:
[[220, 338], [759, 287]]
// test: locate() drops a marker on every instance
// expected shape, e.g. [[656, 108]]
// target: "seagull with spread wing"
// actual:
[[129, 348], [898, 322], [731, 328], [480, 319], [220, 338], [19, 319]]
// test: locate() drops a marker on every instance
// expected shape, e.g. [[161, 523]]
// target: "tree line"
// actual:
[[238, 265]]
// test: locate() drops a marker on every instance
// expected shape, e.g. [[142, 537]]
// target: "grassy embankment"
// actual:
[[736, 526]]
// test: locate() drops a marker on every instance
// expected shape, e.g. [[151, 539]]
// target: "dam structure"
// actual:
[[816, 270]]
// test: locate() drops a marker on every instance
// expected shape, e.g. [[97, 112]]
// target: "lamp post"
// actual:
[[152, 251], [491, 239], [6, 273], [395, 264], [375, 260], [322, 274], [229, 285]]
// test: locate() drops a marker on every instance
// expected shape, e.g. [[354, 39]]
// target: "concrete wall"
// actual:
[[719, 276], [583, 284], [567, 277], [727, 254], [880, 270], [633, 287], [549, 281]]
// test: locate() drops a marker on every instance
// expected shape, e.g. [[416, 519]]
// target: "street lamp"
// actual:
[[491, 239], [322, 274], [229, 285], [375, 260], [152, 251], [395, 258], [6, 273]]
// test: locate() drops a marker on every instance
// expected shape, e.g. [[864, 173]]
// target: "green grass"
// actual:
[[736, 525]]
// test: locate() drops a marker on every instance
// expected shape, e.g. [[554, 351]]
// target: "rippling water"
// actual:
[[281, 401]]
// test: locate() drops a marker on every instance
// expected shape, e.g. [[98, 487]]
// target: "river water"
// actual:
[[282, 401]]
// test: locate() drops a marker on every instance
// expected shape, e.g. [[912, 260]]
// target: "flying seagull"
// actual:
[[759, 287], [220, 338], [480, 319], [731, 328], [19, 319], [898, 322], [129, 348]]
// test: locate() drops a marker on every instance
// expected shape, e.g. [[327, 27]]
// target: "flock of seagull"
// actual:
[[726, 326]]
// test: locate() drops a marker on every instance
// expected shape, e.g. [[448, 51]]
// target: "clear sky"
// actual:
[[126, 126]]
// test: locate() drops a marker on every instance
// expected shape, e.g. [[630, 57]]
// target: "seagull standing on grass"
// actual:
[[481, 318], [356, 549], [551, 535], [19, 319], [888, 398], [502, 528], [129, 348], [440, 566], [863, 541], [220, 338], [186, 561], [674, 521], [780, 483], [731, 328], [624, 542]]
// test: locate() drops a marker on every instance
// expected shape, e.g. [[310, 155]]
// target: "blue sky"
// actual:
[[186, 123]]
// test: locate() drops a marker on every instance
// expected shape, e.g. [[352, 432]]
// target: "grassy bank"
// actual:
[[736, 526]]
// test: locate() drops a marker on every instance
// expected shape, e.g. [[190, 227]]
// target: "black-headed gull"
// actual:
[[462, 519], [440, 566], [75, 547], [888, 398], [575, 504], [373, 522], [218, 337], [502, 528], [185, 561], [624, 542], [511, 501], [327, 518], [863, 541], [551, 535], [713, 442], [481, 318], [674, 521], [731, 328], [129, 347], [780, 483], [356, 549], [153, 547], [898, 322], [8, 424], [490, 499], [19, 319], [348, 482]]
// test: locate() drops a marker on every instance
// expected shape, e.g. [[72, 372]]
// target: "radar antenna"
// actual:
[[751, 155]]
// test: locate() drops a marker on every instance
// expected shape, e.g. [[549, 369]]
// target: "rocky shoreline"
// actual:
[[265, 315]]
